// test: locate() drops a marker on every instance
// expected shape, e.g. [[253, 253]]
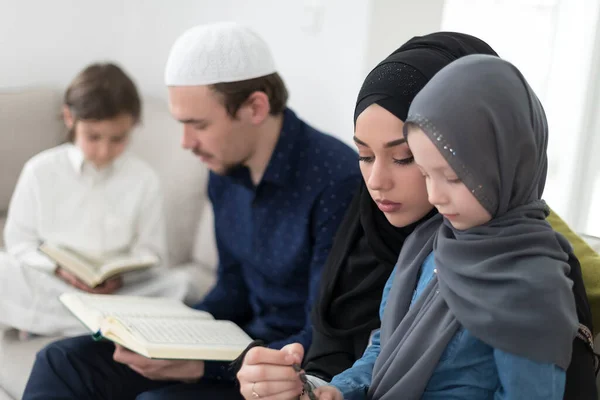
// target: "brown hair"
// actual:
[[234, 94], [102, 91]]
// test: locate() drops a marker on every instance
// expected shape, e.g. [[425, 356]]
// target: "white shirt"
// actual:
[[62, 199]]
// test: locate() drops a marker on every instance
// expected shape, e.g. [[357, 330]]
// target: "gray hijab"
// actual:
[[505, 281]]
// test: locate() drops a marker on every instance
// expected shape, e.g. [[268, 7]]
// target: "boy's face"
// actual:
[[445, 190], [101, 141]]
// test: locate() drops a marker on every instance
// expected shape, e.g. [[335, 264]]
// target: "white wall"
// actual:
[[589, 174], [393, 22], [48, 42], [551, 42]]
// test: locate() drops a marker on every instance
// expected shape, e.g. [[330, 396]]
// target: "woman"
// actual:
[[91, 195], [367, 245]]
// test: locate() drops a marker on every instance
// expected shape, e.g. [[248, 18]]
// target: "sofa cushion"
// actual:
[[183, 177], [29, 123], [4, 395], [205, 247], [17, 358], [203, 280], [2, 223]]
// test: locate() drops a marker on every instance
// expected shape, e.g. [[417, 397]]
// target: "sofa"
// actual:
[[30, 122]]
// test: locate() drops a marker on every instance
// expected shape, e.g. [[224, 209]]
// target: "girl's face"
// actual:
[[444, 188], [387, 166], [101, 141]]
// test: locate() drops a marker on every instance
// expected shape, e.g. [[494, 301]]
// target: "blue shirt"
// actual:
[[273, 238], [468, 368]]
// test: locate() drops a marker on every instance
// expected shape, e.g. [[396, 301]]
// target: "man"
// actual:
[[279, 189]]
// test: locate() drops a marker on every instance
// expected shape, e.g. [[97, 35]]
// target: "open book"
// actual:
[[94, 271], [158, 327]]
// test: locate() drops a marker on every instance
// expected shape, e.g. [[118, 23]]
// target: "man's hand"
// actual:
[[108, 287], [160, 370]]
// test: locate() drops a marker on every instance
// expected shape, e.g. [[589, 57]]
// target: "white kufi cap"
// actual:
[[218, 53]]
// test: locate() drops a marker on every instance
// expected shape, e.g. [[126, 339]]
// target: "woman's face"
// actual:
[[387, 165]]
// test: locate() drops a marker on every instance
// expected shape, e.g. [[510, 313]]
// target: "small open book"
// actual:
[[94, 271], [158, 327]]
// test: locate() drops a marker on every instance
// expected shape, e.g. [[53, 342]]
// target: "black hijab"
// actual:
[[367, 246]]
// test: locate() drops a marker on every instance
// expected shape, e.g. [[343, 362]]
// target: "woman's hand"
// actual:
[[268, 373], [107, 287], [328, 393]]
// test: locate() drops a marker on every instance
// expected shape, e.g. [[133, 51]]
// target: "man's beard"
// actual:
[[223, 169]]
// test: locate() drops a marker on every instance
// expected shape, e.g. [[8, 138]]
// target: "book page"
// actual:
[[181, 332], [135, 306], [67, 257], [90, 262], [128, 262]]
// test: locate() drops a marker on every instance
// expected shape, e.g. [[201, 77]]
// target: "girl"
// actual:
[[483, 307], [90, 195], [345, 316]]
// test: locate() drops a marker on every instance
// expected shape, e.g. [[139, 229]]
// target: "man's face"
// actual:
[[220, 141]]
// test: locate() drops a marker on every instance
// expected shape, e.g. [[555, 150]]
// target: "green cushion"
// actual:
[[590, 264]]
